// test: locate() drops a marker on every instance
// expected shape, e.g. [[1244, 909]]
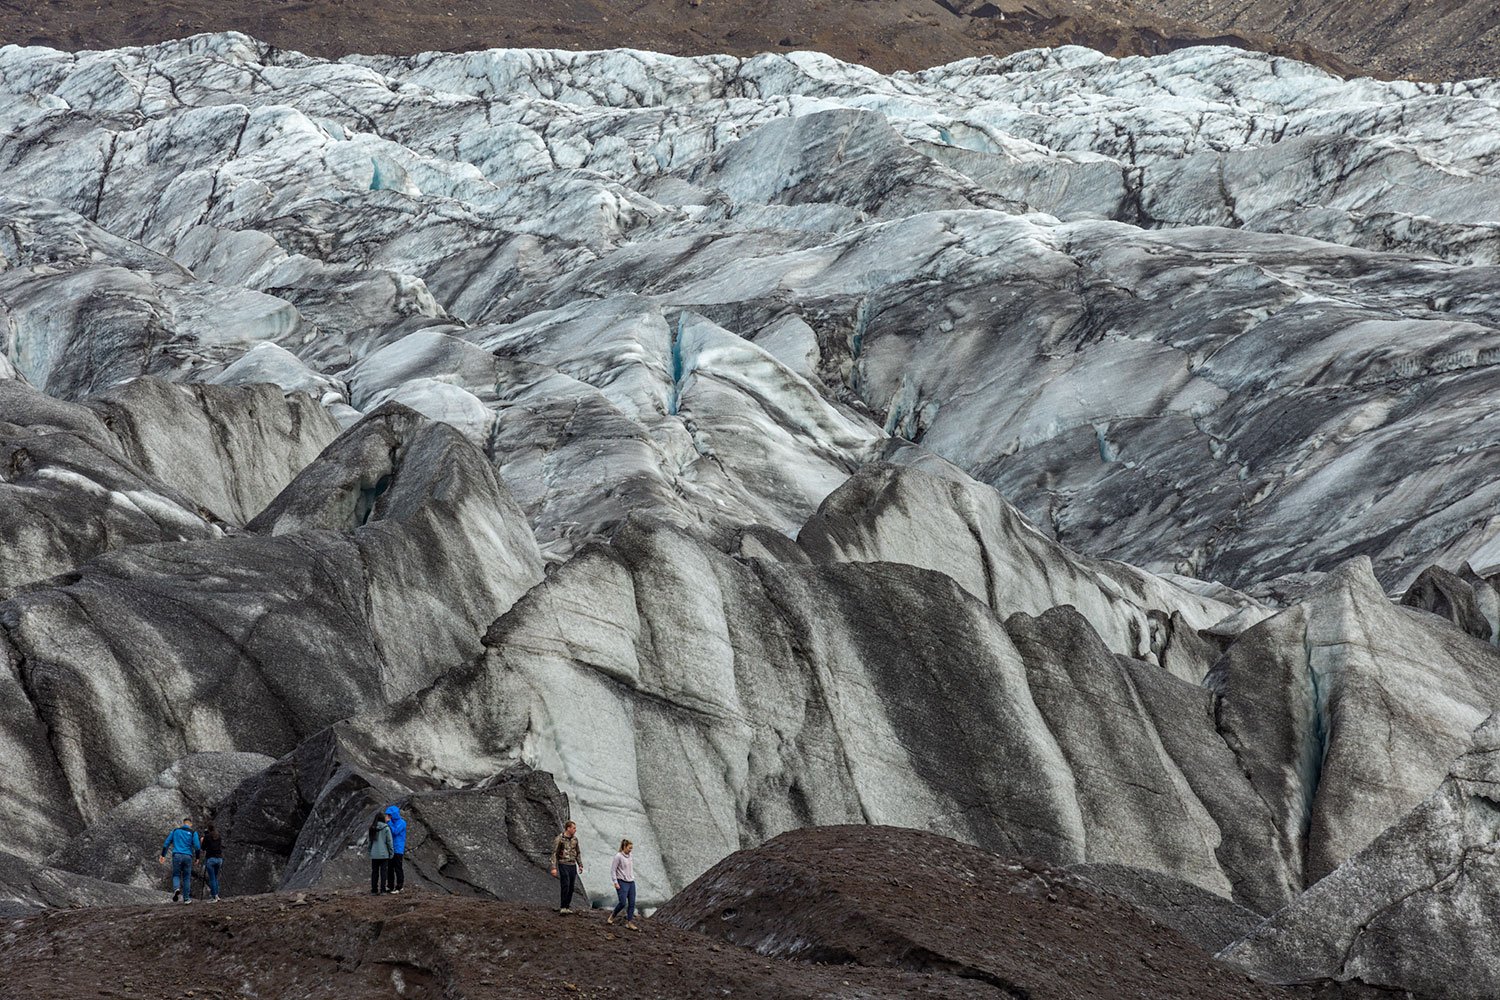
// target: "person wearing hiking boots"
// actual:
[[381, 848], [567, 864], [622, 874], [213, 860], [184, 846], [395, 873]]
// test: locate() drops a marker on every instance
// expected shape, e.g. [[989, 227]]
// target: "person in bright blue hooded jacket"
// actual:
[[395, 874], [185, 847]]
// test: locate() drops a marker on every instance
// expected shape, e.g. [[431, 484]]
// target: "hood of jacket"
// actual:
[[398, 828]]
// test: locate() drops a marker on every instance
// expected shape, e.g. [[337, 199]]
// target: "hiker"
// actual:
[[381, 849], [567, 864], [184, 845], [622, 873], [213, 860], [395, 874]]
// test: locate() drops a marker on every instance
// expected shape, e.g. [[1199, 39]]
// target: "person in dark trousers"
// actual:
[[567, 864], [184, 846], [213, 860], [381, 849], [395, 872], [622, 874]]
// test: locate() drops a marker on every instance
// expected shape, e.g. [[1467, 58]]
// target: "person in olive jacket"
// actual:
[[382, 846], [567, 864]]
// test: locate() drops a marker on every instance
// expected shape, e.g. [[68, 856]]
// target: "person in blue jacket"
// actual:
[[395, 874], [185, 847]]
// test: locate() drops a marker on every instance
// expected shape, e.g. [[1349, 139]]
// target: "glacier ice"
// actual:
[[1024, 449]]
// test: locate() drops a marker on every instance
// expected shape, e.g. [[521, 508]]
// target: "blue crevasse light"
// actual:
[[677, 366], [377, 181], [1107, 450]]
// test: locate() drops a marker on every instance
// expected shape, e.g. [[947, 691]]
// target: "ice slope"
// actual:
[[1213, 312], [749, 443]]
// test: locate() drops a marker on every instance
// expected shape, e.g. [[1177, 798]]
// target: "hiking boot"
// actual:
[[609, 919], [176, 895], [630, 925]]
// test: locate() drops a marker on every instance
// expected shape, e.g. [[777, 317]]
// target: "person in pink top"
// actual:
[[622, 874]]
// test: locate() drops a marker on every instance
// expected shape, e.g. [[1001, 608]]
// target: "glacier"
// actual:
[[1031, 450]]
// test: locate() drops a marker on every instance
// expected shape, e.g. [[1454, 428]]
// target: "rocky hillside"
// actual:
[[1030, 451], [1445, 40], [883, 34]]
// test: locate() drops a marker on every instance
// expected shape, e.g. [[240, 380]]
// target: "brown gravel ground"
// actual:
[[351, 946], [854, 913]]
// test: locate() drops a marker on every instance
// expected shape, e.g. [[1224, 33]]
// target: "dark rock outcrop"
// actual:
[[1447, 595], [302, 823]]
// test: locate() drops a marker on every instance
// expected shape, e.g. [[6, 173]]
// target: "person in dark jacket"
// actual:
[[567, 864], [184, 846], [395, 872], [213, 860], [381, 849]]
